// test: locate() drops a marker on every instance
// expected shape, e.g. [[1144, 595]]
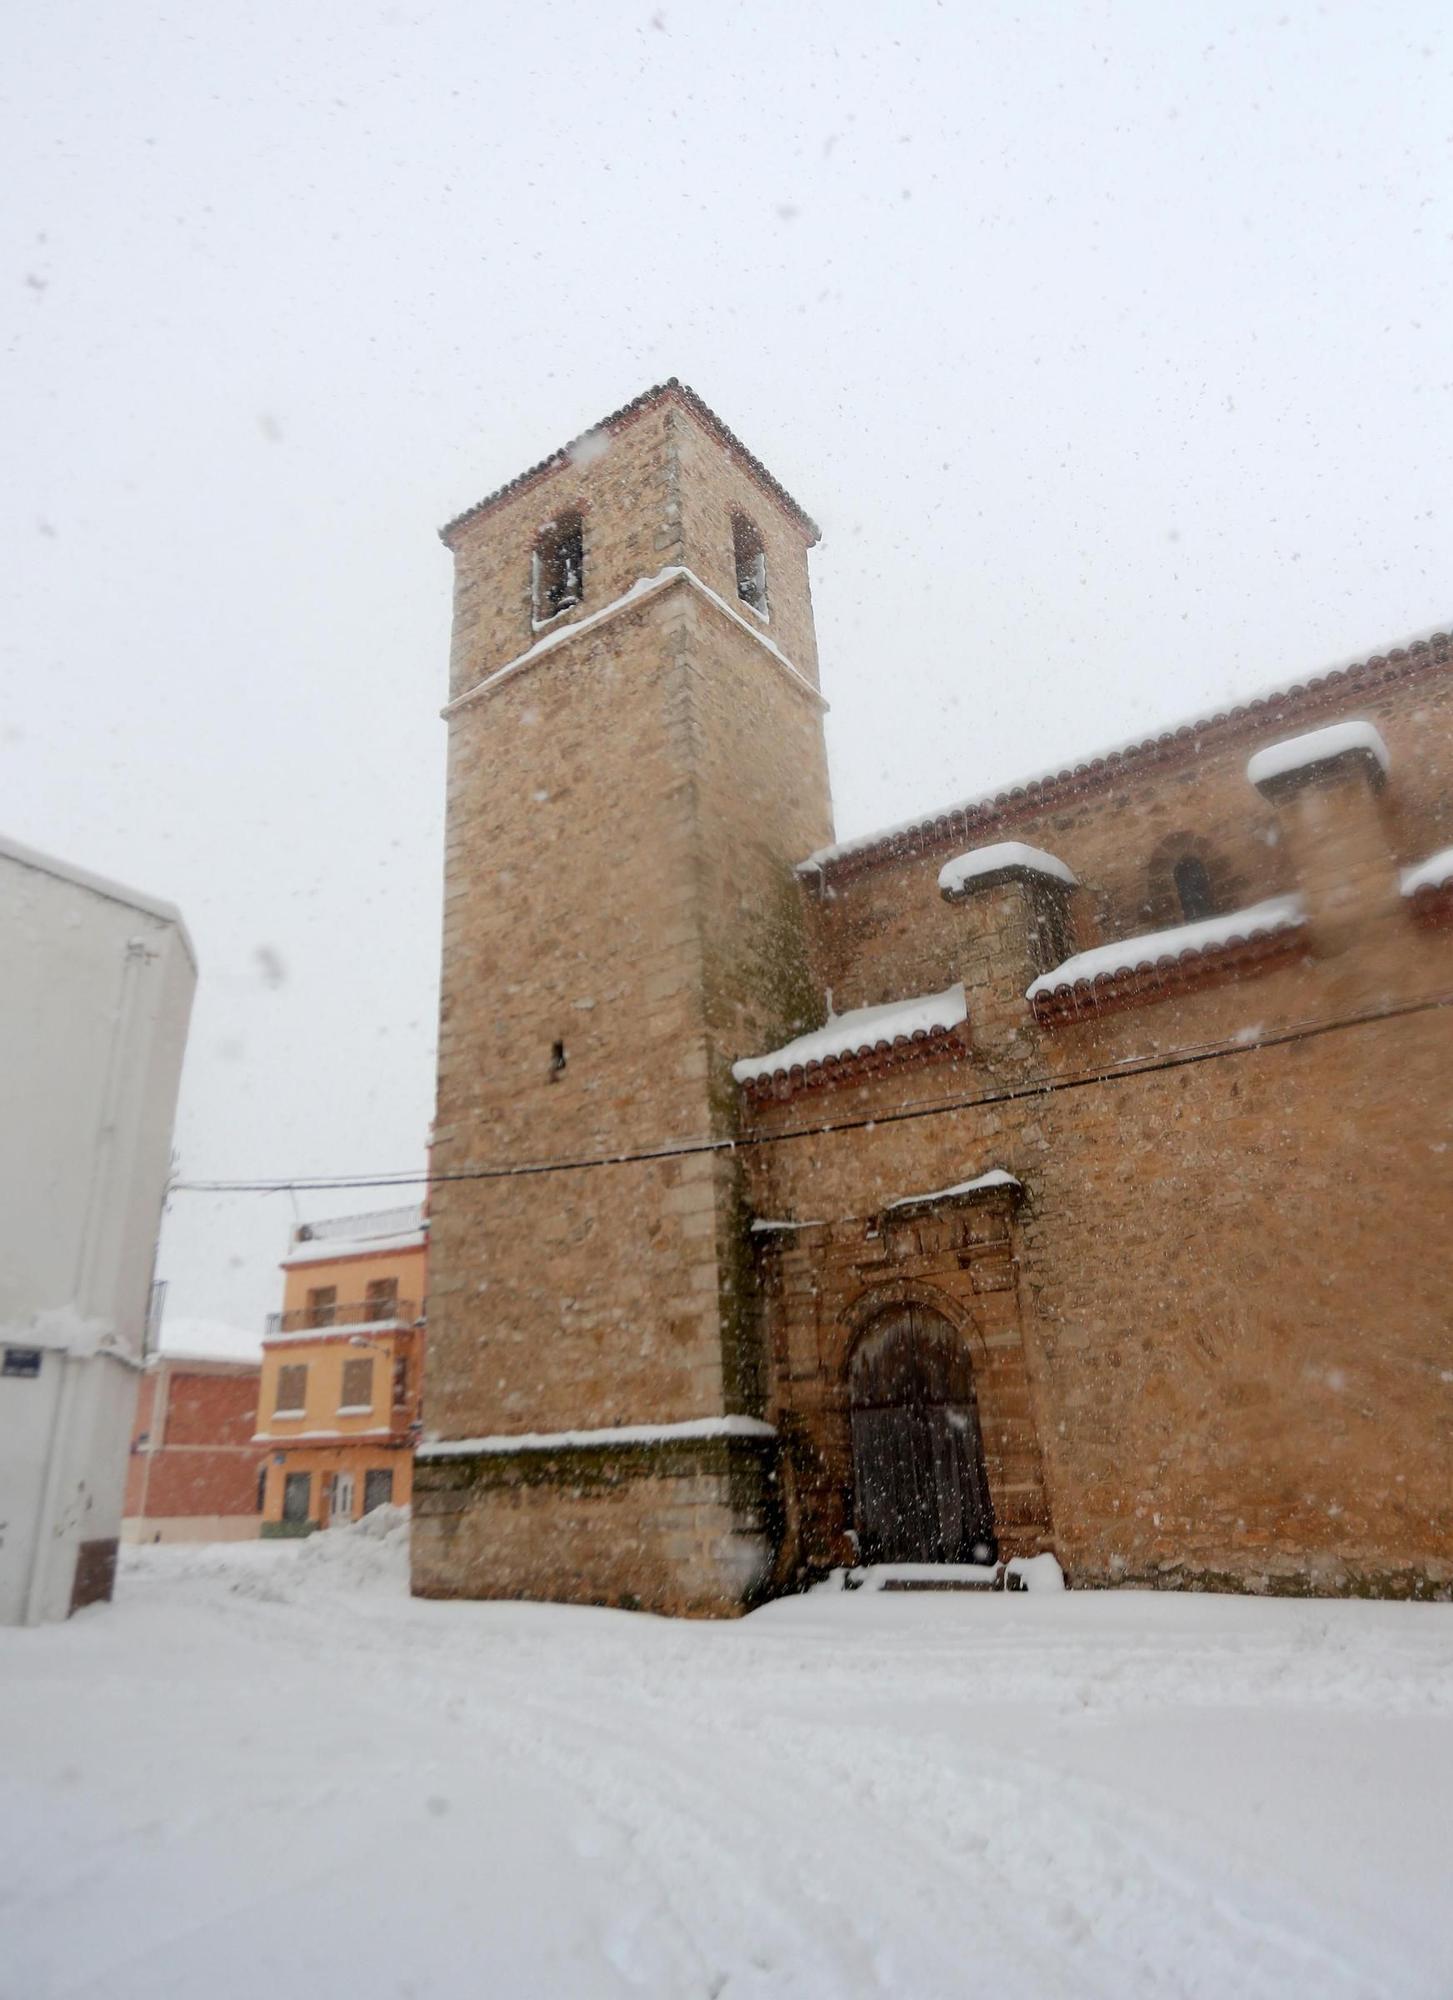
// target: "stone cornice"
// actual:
[[640, 592]]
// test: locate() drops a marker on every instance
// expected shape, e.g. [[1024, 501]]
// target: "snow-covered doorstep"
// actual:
[[614, 1434], [1317, 746], [1434, 873], [643, 587], [979, 861], [1277, 913], [861, 1029]]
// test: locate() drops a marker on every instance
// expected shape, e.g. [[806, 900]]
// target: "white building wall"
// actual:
[[94, 1005]]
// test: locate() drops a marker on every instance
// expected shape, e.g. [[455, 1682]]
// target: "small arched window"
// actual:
[[751, 563], [557, 568], [1193, 888]]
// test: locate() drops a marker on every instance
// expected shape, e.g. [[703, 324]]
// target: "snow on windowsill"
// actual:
[[1277, 913], [955, 875], [763, 1226], [1318, 746], [355, 1409], [860, 1030], [621, 1434], [544, 624], [1434, 873], [287, 1416]]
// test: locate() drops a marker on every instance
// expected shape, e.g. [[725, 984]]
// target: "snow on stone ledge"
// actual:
[[620, 1434], [994, 1178], [1434, 873], [1318, 746], [1277, 913], [956, 875], [858, 1031]]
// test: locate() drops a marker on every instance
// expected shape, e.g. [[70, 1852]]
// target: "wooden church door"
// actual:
[[918, 1458]]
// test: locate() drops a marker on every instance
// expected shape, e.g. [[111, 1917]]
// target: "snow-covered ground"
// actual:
[[266, 1772]]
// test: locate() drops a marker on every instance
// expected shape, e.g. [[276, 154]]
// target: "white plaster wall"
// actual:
[[94, 1005]]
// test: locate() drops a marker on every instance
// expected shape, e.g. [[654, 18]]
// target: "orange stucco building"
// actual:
[[342, 1371]]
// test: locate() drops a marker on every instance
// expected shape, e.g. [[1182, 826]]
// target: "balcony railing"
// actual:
[[345, 1317]]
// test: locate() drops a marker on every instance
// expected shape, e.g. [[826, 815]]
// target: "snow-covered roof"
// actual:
[[374, 1222], [1434, 873], [996, 1177], [860, 1030], [1040, 792], [99, 885], [333, 1249], [1317, 746], [1000, 859], [1154, 948], [614, 1434]]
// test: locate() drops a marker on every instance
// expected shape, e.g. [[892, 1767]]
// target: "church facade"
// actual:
[[1071, 1170]]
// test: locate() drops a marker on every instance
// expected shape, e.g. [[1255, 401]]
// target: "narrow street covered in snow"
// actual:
[[265, 1769]]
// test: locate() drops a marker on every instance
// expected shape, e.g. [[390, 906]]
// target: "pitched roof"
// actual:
[[971, 820], [671, 389]]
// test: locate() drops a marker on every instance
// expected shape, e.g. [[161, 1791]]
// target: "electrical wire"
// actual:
[[686, 1148]]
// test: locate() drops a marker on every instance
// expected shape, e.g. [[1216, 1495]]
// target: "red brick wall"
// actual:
[[203, 1461]]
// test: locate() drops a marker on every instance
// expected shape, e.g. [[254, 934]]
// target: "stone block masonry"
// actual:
[[624, 811], [1149, 1267]]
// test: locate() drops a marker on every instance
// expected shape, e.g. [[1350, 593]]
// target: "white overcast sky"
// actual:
[[1110, 344]]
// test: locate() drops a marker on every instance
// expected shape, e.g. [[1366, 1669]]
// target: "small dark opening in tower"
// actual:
[[1193, 888], [557, 1060], [559, 566], [751, 562]]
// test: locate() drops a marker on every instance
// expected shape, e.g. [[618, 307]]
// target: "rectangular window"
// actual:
[[357, 1386], [401, 1380], [292, 1390], [261, 1487], [322, 1305], [296, 1495], [381, 1299], [378, 1489]]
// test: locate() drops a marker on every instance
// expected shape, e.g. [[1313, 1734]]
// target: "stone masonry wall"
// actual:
[[686, 1531], [1231, 1260], [620, 921]]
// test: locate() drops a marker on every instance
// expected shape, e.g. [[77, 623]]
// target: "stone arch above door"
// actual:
[[858, 1317]]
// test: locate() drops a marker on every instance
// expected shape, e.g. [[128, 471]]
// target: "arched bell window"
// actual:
[[750, 556], [1193, 889], [557, 568], [1187, 879]]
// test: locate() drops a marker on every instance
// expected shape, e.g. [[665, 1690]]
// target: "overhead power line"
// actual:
[[684, 1148]]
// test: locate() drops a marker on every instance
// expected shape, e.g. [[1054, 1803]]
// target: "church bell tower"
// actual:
[[636, 760]]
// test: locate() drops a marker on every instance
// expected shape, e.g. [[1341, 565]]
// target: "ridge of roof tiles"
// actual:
[[970, 817], [671, 387]]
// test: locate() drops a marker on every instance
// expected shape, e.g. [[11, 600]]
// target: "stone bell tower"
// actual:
[[636, 759]]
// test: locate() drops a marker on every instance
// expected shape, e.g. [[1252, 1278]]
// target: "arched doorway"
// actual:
[[920, 1490]]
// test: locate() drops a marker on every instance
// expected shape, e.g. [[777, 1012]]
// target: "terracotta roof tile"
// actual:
[[617, 419]]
